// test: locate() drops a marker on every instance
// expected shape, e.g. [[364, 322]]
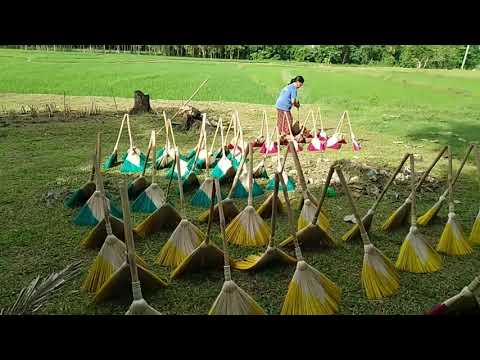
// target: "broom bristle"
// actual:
[[205, 256], [92, 212], [230, 211], [248, 229], [184, 239], [265, 210], [398, 217], [201, 197], [431, 213], [287, 179], [312, 236], [307, 214], [474, 238], [452, 242], [166, 217], [111, 161], [256, 262], [241, 189], [379, 277], [81, 196], [136, 187], [150, 200], [134, 162], [416, 255], [97, 236], [354, 232], [260, 172], [311, 293], [232, 300], [141, 307]]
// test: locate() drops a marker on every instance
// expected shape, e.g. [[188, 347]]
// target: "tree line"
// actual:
[[411, 56]]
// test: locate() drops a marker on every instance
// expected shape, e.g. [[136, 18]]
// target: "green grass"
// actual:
[[386, 105]]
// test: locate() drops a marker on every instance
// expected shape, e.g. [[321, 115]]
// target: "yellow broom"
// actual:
[[186, 236], [248, 228], [474, 238], [400, 216], [452, 241], [354, 232], [379, 277], [230, 211], [207, 255], [433, 211], [272, 253], [416, 255], [310, 292], [232, 300], [139, 306], [314, 235], [113, 251], [120, 280], [308, 203]]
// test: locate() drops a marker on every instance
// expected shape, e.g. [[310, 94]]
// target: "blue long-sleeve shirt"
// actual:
[[288, 93]]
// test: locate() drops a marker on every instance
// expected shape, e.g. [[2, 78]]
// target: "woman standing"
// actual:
[[287, 98]]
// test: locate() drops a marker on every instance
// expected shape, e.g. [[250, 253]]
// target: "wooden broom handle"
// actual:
[[106, 212], [127, 227], [129, 130], [180, 181], [324, 193], [477, 159], [237, 174], [390, 181], [451, 205], [222, 222], [211, 213], [363, 232], [298, 252], [296, 160], [413, 210], [273, 220], [115, 148], [221, 137], [148, 154], [94, 160], [250, 176], [229, 127], [154, 151], [464, 160], [215, 137], [172, 168], [425, 174], [189, 99], [171, 133]]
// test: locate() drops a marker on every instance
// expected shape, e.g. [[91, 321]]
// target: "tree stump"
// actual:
[[141, 103]]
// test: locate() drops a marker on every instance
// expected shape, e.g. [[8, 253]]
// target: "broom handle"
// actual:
[[477, 159], [215, 137], [413, 210], [273, 221], [221, 136], [222, 229], [171, 133], [390, 181], [115, 148], [129, 130], [264, 120], [180, 182], [154, 151], [363, 232], [350, 126], [148, 154], [237, 174], [304, 122], [211, 214], [321, 121], [189, 99], [425, 174], [170, 180], [94, 160], [127, 226], [324, 193], [228, 129], [167, 138], [298, 251], [301, 177], [340, 123], [250, 177], [106, 212], [451, 205]]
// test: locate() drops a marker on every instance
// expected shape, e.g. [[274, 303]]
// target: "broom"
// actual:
[[400, 215], [288, 180], [153, 197], [224, 168], [165, 217], [310, 292], [229, 208], [232, 300], [367, 220], [218, 154], [135, 159], [203, 152], [269, 147], [433, 211], [248, 228], [272, 254], [474, 238], [241, 191], [123, 277], [260, 140], [464, 302], [317, 144], [314, 235], [309, 203], [379, 277], [81, 195], [184, 238], [165, 156], [416, 255], [297, 146], [207, 255], [336, 141], [452, 241], [355, 144], [111, 254], [112, 160], [139, 306], [138, 185]]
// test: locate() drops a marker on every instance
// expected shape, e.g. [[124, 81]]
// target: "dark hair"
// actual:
[[297, 78]]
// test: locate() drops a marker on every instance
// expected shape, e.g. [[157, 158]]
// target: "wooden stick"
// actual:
[[222, 225], [413, 210], [115, 148], [451, 205], [106, 212], [324, 193], [211, 214], [273, 221], [425, 174], [180, 181], [250, 176], [189, 99], [154, 151], [129, 130]]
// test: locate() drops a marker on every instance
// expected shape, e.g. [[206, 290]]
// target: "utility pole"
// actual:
[[465, 57]]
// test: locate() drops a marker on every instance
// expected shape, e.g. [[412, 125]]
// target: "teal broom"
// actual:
[[112, 160], [81, 195], [138, 185], [135, 159]]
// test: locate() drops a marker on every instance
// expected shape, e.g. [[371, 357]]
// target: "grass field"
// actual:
[[392, 111]]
